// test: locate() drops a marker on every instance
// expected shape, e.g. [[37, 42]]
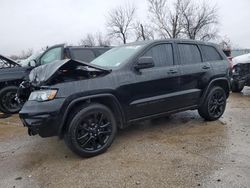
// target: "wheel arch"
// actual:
[[108, 100], [222, 82], [16, 83]]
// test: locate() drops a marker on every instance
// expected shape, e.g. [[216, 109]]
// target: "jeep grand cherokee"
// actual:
[[86, 103]]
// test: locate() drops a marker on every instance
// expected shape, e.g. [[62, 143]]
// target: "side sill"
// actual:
[[194, 107]]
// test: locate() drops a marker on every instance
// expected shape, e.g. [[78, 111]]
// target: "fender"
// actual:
[[211, 84], [86, 98]]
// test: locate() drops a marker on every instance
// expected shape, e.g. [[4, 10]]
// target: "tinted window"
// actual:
[[210, 53], [116, 56], [162, 55], [51, 55], [83, 54], [189, 54], [102, 51]]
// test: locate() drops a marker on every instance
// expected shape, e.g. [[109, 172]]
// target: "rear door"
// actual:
[[213, 58], [193, 73]]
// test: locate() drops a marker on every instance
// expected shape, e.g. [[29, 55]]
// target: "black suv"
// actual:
[[86, 103], [12, 74]]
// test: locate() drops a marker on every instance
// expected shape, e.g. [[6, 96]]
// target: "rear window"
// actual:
[[83, 54], [210, 53], [189, 54]]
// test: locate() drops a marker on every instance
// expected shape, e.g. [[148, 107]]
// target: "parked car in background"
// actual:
[[61, 51], [14, 74], [6, 62], [86, 103], [240, 72], [11, 75]]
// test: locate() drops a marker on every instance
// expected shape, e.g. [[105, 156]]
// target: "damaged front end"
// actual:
[[240, 72], [58, 72], [40, 112]]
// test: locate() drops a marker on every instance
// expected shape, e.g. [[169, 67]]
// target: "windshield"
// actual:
[[116, 56], [25, 62]]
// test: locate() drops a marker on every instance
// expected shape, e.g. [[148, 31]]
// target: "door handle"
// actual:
[[172, 71], [206, 67]]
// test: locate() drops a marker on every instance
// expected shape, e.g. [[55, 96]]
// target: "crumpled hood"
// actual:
[[243, 59], [11, 62], [44, 73]]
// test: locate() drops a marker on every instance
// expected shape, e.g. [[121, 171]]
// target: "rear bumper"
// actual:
[[42, 117]]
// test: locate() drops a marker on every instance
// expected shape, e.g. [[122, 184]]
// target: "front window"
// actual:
[[116, 56]]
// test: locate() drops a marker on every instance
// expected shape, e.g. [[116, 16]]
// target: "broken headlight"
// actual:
[[43, 95]]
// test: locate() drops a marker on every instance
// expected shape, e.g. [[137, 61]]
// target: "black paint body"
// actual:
[[131, 94]]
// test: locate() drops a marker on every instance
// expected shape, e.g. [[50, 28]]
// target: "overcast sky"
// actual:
[[37, 23]]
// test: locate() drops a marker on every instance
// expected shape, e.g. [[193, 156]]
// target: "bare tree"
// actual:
[[97, 39], [44, 48], [102, 40], [89, 40], [225, 43], [24, 54], [143, 31], [199, 20], [167, 19], [120, 21], [184, 18]]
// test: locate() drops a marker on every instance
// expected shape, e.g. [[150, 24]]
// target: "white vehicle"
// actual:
[[240, 72]]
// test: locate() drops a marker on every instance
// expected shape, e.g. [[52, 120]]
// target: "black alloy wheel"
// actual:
[[91, 131], [214, 105]]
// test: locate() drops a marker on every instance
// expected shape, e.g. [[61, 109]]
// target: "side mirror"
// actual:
[[145, 63], [32, 63]]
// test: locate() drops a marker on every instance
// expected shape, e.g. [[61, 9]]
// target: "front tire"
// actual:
[[214, 105], [91, 130], [236, 87], [8, 102]]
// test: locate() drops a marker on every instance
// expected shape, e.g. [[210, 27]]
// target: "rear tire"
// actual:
[[91, 131], [214, 105], [8, 103]]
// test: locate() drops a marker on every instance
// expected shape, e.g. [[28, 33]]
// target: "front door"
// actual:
[[52, 54], [154, 90]]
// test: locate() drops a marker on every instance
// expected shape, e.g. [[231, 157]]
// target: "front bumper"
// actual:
[[42, 117]]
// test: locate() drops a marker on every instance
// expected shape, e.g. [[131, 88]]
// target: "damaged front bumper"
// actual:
[[42, 117]]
